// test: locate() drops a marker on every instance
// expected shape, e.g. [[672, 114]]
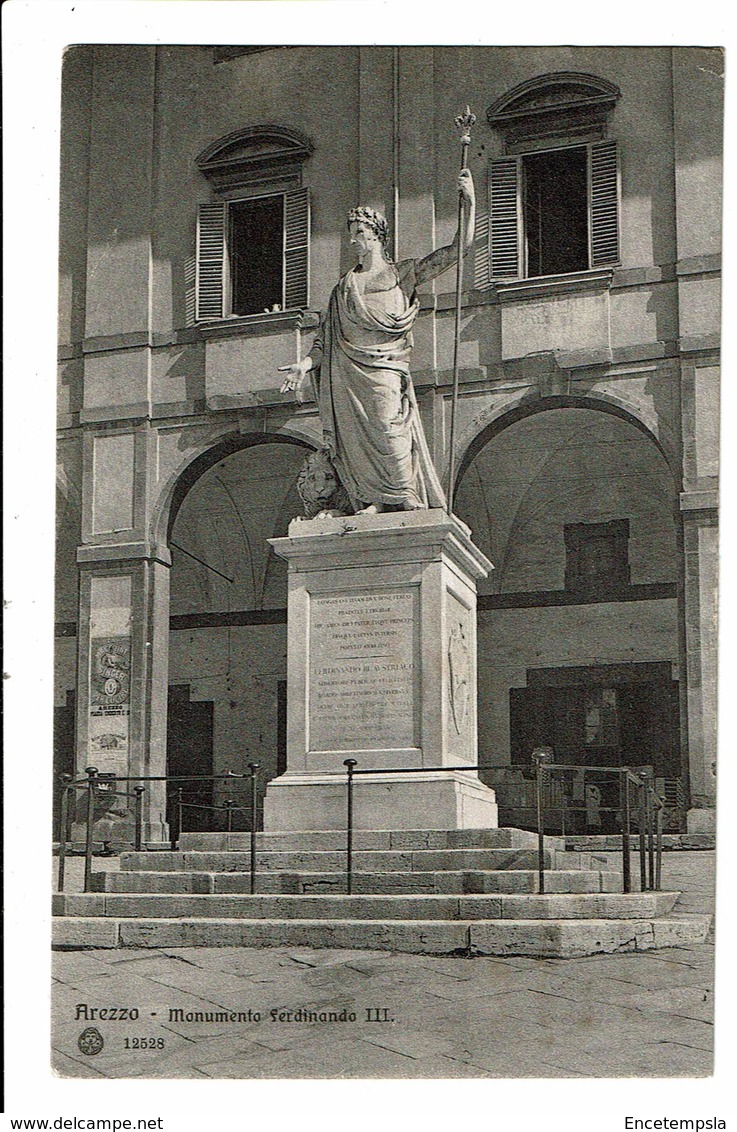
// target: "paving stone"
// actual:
[[409, 936], [77, 967], [65, 1066], [655, 1059], [411, 1043], [93, 933], [447, 1067]]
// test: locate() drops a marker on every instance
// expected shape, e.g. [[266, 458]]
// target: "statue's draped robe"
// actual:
[[368, 410]]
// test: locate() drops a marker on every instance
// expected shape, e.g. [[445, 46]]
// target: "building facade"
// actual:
[[203, 204]]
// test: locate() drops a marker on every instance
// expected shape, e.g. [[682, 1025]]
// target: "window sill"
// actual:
[[540, 287], [256, 325]]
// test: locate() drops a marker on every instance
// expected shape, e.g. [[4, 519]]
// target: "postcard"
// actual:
[[386, 563]]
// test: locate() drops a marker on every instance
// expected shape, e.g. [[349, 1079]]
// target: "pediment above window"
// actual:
[[254, 154], [566, 102]]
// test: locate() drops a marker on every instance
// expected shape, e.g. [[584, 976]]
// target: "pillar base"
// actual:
[[701, 821], [427, 800], [121, 831]]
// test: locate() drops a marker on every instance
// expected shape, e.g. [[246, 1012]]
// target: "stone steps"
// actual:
[[332, 861], [479, 906], [335, 840], [460, 881], [441, 892], [562, 939]]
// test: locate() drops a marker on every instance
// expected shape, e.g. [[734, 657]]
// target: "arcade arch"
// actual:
[[577, 509], [228, 596]]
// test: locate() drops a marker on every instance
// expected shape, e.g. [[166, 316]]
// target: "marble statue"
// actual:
[[372, 432]]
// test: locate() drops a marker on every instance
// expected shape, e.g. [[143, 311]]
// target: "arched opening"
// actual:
[[578, 622], [227, 640]]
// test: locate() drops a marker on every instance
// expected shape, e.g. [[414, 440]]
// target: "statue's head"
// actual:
[[370, 220]]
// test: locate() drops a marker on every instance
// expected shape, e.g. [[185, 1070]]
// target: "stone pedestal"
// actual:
[[381, 669]]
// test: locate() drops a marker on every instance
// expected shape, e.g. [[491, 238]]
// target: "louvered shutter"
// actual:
[[604, 203], [481, 274], [504, 227], [296, 248], [210, 261]]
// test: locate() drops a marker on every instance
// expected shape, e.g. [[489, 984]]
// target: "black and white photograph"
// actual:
[[386, 556]]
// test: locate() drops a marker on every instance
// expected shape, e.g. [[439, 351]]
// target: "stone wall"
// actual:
[[140, 384]]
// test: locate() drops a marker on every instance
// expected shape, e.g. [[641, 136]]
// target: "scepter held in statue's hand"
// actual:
[[463, 122]]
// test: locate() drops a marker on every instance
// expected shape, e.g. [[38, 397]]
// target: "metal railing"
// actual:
[[650, 809], [96, 787]]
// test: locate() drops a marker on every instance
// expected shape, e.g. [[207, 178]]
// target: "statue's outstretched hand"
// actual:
[[296, 373]]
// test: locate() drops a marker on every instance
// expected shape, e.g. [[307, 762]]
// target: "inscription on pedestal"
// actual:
[[363, 663]]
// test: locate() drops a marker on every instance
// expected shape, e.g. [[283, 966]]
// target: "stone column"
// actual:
[[381, 669], [122, 673], [700, 544], [698, 91], [123, 637], [699, 515]]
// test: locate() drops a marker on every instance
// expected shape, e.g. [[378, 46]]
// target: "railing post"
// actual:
[[139, 791], [91, 772], [174, 828], [650, 834], [659, 848], [228, 804], [641, 821], [349, 764], [624, 792], [540, 757], [180, 812], [64, 821], [254, 769]]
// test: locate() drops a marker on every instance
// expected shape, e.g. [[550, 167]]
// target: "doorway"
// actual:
[[189, 751]]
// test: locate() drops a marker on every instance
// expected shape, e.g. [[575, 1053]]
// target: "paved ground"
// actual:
[[629, 1015]]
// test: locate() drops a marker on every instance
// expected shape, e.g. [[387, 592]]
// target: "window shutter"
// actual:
[[504, 231], [210, 261], [296, 248], [604, 203], [481, 273]]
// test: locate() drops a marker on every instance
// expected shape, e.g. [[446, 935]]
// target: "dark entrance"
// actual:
[[64, 717], [612, 715], [189, 751]]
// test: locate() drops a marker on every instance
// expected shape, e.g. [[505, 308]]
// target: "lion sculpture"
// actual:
[[320, 489]]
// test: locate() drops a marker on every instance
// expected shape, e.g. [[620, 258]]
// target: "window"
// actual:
[[257, 270], [253, 242], [554, 199], [597, 558], [554, 208], [601, 718]]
